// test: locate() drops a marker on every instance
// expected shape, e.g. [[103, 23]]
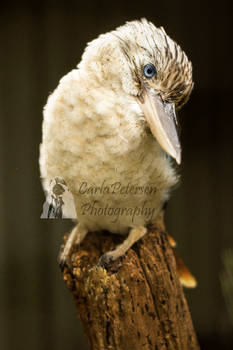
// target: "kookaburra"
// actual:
[[110, 131]]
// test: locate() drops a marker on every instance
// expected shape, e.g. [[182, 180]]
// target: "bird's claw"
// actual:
[[64, 261], [62, 264], [105, 260]]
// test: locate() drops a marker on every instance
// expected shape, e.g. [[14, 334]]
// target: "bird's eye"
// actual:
[[149, 70]]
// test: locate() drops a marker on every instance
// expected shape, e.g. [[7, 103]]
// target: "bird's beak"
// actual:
[[162, 121]]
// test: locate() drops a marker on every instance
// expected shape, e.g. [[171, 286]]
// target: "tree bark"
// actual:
[[135, 303]]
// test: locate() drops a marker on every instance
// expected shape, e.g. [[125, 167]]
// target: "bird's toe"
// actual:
[[105, 260], [64, 260], [62, 264], [109, 263]]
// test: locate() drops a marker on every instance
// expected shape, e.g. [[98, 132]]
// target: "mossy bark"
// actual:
[[135, 303]]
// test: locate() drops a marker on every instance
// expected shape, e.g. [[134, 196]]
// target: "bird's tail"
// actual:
[[185, 276]]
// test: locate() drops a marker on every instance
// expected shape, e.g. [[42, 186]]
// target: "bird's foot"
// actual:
[[75, 238], [108, 262], [63, 260], [108, 258], [64, 264], [105, 260]]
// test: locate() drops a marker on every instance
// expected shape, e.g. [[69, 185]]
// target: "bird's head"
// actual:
[[144, 62]]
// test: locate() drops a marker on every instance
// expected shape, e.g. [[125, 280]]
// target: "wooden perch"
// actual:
[[136, 303]]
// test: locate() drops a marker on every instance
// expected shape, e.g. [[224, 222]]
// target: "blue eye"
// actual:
[[149, 70]]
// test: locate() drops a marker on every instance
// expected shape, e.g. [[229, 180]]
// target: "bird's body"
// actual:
[[106, 145], [100, 135]]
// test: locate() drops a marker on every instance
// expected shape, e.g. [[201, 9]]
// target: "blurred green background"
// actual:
[[40, 42]]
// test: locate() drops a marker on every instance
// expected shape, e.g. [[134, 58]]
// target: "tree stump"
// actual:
[[135, 303]]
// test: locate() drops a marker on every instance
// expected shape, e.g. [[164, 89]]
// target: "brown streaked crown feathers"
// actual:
[[174, 70]]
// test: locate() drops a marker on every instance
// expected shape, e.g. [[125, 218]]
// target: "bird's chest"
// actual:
[[117, 189], [116, 172]]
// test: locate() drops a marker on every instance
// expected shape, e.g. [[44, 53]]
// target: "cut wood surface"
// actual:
[[134, 303]]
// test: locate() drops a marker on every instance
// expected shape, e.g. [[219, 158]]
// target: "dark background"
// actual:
[[41, 43]]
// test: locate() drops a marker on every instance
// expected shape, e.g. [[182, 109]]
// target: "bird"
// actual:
[[110, 131]]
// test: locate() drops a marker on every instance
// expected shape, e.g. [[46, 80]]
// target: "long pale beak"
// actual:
[[161, 118]]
